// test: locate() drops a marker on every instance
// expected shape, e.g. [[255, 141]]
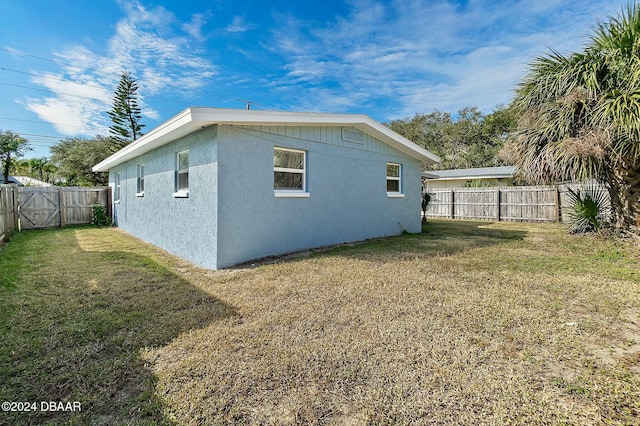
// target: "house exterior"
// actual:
[[461, 178], [220, 187], [27, 181]]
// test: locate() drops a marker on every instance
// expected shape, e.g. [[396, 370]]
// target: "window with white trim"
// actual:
[[182, 174], [394, 176], [140, 181], [289, 171], [116, 192]]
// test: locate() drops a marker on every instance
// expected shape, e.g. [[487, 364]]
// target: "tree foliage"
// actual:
[[581, 116], [37, 168], [12, 146], [75, 158], [471, 140], [125, 114]]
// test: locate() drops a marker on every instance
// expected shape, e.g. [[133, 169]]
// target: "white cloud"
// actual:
[[69, 116], [144, 45], [422, 55], [239, 25], [194, 28]]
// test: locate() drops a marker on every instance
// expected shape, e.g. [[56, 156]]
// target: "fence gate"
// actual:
[[52, 207], [39, 208]]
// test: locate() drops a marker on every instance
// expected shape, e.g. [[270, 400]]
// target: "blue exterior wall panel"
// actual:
[[186, 227], [232, 215], [346, 182]]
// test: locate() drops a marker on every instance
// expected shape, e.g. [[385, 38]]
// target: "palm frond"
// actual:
[[589, 208]]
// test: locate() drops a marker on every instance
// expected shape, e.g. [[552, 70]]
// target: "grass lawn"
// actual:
[[467, 323]]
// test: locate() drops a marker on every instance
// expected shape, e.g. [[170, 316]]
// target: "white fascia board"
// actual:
[[193, 119], [178, 126], [277, 118], [403, 144]]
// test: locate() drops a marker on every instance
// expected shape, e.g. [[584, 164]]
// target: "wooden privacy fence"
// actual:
[[8, 210], [49, 207], [30, 207], [509, 203]]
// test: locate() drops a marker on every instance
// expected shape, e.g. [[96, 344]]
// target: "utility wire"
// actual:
[[40, 122], [39, 136], [75, 96], [51, 91], [17, 52], [247, 102], [97, 86]]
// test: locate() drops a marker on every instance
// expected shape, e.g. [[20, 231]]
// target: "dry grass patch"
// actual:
[[467, 323], [79, 305]]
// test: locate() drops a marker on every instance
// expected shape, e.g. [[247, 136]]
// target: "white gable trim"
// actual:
[[193, 119]]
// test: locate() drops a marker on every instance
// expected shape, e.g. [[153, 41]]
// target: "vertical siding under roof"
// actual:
[[331, 135]]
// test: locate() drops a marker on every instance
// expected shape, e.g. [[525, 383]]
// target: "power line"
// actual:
[[40, 122], [50, 91], [17, 52], [40, 136], [75, 96], [247, 102], [97, 86], [244, 101]]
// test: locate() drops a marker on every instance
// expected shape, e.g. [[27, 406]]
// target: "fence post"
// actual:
[[61, 207], [453, 209], [3, 214], [15, 206], [109, 206], [556, 197], [498, 205]]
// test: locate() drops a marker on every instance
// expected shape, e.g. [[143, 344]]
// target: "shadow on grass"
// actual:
[[438, 238], [75, 325]]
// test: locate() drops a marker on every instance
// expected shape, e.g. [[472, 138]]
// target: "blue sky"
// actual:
[[389, 59]]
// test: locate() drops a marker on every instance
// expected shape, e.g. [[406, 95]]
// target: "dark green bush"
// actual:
[[588, 209], [99, 216]]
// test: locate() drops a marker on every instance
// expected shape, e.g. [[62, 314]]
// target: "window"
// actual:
[[140, 186], [116, 192], [289, 173], [394, 176], [182, 174]]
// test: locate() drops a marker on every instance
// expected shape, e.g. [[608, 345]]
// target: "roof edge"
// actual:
[[191, 119]]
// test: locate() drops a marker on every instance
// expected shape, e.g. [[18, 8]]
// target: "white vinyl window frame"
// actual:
[[140, 181], [288, 192], [116, 189], [182, 175], [394, 179]]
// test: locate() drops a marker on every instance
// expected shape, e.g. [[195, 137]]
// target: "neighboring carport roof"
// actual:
[[192, 119], [475, 173]]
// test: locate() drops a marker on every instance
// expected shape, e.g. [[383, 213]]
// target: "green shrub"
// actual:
[[588, 209], [99, 216]]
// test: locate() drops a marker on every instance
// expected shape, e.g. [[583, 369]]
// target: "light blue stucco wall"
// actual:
[[186, 227], [232, 215], [346, 182]]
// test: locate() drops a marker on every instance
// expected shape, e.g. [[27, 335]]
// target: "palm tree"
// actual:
[[20, 167], [37, 166], [12, 146], [50, 171], [580, 116]]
